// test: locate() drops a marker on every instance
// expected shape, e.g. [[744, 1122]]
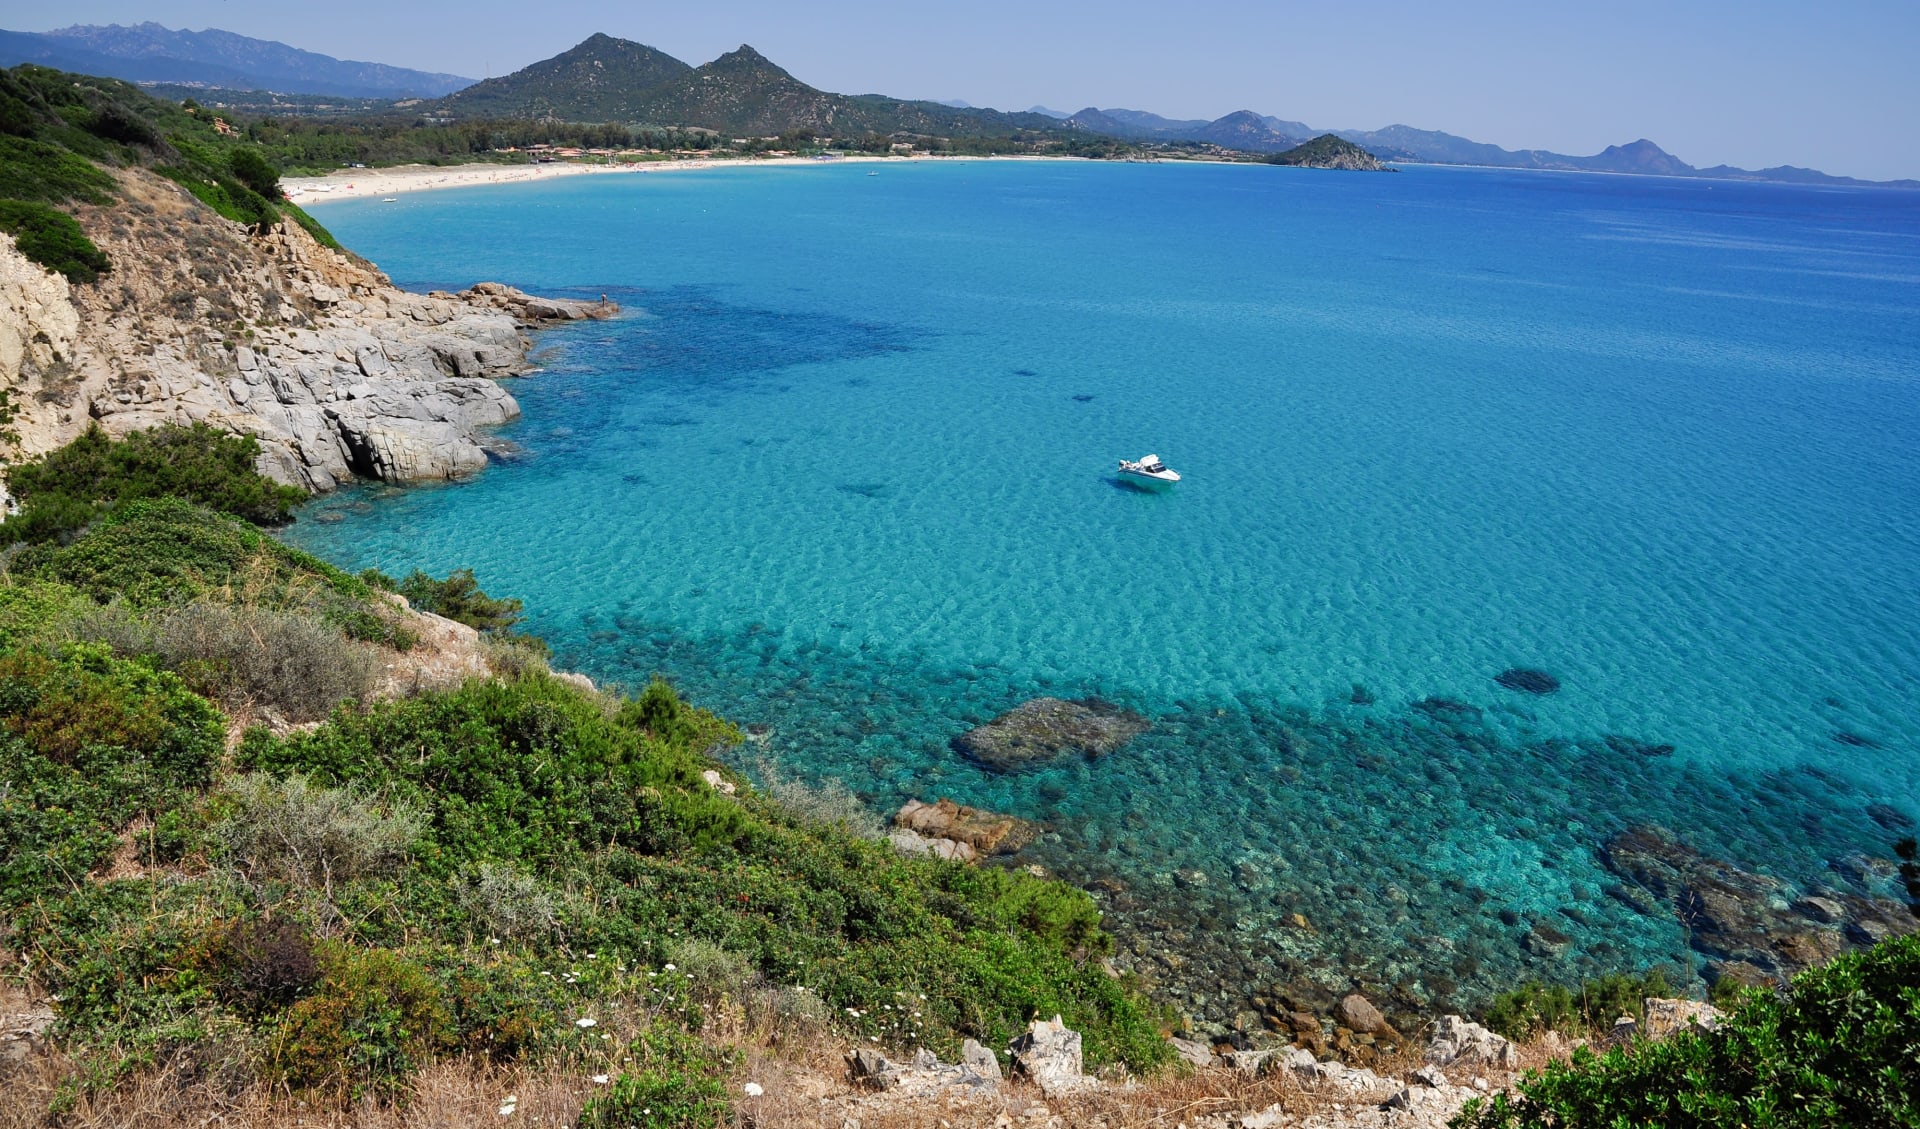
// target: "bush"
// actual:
[[52, 239], [827, 804], [253, 656], [263, 965], [37, 171], [1532, 1009], [312, 837], [375, 1018], [87, 744], [1838, 1047], [676, 1083], [64, 489], [252, 169], [505, 903], [159, 552], [459, 598]]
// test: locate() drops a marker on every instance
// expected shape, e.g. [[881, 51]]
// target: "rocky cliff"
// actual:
[[336, 371]]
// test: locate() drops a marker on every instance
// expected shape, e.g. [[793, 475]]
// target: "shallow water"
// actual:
[[843, 469]]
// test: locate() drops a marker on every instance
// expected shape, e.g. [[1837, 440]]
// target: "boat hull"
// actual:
[[1147, 481]]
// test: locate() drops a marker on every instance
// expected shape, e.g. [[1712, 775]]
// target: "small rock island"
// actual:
[[1330, 151]]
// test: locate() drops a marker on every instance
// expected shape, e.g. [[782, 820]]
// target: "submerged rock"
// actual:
[[1745, 919], [1527, 680], [1634, 747], [1045, 728]]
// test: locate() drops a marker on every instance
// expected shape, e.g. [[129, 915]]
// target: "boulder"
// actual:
[[1668, 1017], [1742, 919], [980, 1060], [1192, 1053], [1045, 728], [1625, 1030], [986, 832], [1356, 1013], [1048, 1054], [1458, 1042], [925, 1076]]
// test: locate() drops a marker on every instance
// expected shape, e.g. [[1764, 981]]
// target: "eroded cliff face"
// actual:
[[317, 354]]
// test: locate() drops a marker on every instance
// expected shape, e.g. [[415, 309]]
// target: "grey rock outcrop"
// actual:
[[1458, 1042], [1045, 728], [1048, 1054], [316, 354], [1669, 1017], [925, 1076]]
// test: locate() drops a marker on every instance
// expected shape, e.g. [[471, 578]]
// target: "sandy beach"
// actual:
[[348, 184]]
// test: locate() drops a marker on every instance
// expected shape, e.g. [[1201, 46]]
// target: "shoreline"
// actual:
[[354, 184]]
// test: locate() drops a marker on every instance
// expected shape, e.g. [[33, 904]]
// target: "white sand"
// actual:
[[348, 184]]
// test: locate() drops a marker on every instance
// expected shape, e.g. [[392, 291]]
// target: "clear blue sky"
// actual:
[[1747, 82]]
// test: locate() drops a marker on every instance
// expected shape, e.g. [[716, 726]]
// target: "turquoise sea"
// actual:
[[843, 471]]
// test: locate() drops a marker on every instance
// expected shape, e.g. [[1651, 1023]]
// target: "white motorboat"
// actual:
[[1149, 470]]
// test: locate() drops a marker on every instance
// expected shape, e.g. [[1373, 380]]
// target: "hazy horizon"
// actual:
[[1755, 85]]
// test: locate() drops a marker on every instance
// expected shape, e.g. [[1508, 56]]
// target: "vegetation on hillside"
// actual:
[[59, 131], [1839, 1047], [505, 870]]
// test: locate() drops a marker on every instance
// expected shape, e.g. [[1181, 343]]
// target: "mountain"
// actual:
[[1246, 130], [151, 53], [1329, 151], [742, 93], [1242, 129], [601, 79], [1060, 115]]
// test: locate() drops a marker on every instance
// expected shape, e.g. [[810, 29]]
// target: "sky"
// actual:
[[1755, 83]]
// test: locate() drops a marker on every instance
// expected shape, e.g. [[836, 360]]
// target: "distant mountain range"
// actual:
[[605, 79], [150, 53], [1247, 130]]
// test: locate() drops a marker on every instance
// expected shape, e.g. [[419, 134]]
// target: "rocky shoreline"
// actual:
[[338, 373]]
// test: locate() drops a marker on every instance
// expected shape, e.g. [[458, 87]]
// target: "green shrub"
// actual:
[[64, 489], [224, 195], [87, 744], [33, 611], [458, 598], [1532, 1009], [49, 174], [1839, 1047], [312, 837], [52, 239], [312, 226], [374, 1019], [504, 902], [150, 553], [252, 169], [676, 1083]]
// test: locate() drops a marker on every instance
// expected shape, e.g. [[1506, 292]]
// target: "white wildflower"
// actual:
[[600, 1079], [753, 1089], [585, 1023]]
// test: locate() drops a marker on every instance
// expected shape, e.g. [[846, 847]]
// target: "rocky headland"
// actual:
[[313, 351]]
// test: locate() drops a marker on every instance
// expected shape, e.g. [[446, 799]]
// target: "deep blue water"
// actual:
[[843, 468]]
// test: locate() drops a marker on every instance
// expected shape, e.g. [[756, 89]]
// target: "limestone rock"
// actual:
[[1192, 1053], [986, 832], [1048, 1053], [1668, 1017], [313, 352], [980, 1060], [1357, 1013], [909, 842], [1045, 728], [1458, 1042], [925, 1076]]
